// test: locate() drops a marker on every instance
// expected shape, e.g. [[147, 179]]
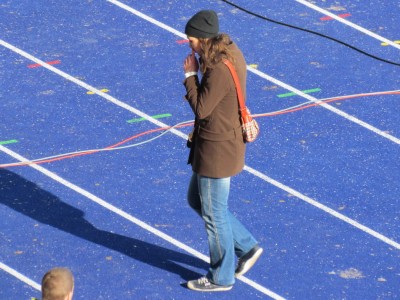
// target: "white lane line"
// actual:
[[323, 207], [124, 105], [327, 106], [345, 21], [269, 78], [20, 276], [147, 18], [90, 88], [131, 218]]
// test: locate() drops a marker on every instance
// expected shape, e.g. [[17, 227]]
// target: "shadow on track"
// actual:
[[31, 200]]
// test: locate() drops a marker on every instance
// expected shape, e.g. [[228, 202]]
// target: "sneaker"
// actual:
[[248, 260], [204, 285]]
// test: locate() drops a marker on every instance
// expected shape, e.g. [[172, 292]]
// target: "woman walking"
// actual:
[[217, 149]]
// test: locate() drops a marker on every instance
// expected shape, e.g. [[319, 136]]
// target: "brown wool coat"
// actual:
[[218, 149]]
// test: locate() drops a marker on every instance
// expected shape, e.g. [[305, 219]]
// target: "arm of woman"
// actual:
[[204, 97]]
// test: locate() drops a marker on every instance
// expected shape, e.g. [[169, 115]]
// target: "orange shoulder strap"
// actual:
[[239, 91]]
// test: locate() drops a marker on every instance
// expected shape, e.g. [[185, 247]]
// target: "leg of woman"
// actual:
[[243, 239], [214, 193], [193, 196]]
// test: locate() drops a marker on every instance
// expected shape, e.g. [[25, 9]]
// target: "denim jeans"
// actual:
[[226, 235]]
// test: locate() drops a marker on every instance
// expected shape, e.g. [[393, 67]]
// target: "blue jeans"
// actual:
[[226, 235]]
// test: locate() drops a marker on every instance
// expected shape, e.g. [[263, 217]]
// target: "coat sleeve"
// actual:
[[204, 97]]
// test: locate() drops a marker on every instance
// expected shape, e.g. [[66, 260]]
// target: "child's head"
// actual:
[[58, 284]]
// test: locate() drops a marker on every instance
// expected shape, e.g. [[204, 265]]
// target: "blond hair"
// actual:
[[57, 284]]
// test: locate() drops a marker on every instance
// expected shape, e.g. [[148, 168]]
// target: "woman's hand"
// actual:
[[191, 64]]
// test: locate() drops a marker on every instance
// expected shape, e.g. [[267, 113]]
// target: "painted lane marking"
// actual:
[[348, 23], [20, 276], [90, 88], [124, 105], [144, 119], [117, 102], [270, 78], [54, 62], [328, 18], [325, 208], [265, 76], [98, 91], [8, 142], [294, 94], [149, 19], [132, 219], [327, 106]]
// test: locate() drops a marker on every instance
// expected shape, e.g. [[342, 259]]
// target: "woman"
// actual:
[[217, 149]]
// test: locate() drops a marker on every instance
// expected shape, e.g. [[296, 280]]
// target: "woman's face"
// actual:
[[194, 43]]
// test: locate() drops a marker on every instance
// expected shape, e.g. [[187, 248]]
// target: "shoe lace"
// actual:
[[203, 280]]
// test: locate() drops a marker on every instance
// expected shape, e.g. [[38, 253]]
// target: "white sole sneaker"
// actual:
[[248, 260]]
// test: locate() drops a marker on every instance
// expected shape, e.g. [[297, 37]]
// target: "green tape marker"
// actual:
[[294, 94], [8, 142], [155, 117]]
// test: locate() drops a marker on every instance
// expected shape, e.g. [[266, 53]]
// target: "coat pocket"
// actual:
[[218, 136]]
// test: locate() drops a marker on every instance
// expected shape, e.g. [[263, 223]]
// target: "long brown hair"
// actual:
[[214, 50]]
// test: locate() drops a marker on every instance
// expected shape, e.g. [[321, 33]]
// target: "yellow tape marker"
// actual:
[[92, 93], [386, 44]]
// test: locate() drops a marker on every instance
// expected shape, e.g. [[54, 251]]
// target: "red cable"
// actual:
[[184, 125]]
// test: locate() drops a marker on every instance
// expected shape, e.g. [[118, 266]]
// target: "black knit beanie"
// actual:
[[204, 24]]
